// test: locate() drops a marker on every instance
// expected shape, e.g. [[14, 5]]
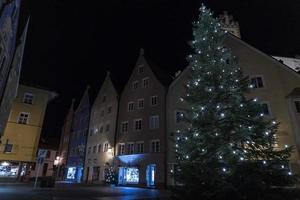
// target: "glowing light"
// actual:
[[264, 162], [286, 146], [222, 115], [290, 173], [5, 164], [255, 100], [224, 170], [282, 166]]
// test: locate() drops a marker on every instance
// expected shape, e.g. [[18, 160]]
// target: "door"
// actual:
[[150, 175]]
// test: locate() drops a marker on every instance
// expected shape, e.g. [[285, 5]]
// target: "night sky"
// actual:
[[73, 43]]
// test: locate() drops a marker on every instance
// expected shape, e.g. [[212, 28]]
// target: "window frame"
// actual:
[[269, 108], [144, 81], [27, 119], [143, 103], [141, 125], [151, 102], [127, 126], [256, 77], [24, 98], [154, 122], [155, 150], [135, 85], [128, 106]]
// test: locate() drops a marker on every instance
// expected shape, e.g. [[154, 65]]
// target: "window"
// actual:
[[121, 149], [94, 149], [135, 85], [109, 109], [141, 69], [137, 124], [153, 100], [265, 109], [89, 150], [105, 147], [297, 105], [107, 127], [130, 106], [124, 127], [179, 115], [28, 98], [145, 82], [257, 82], [23, 118], [140, 147], [155, 146], [130, 148], [154, 122], [104, 98], [99, 148], [8, 148], [140, 103]]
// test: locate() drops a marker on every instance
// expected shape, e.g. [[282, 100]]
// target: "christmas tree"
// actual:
[[110, 175], [227, 150]]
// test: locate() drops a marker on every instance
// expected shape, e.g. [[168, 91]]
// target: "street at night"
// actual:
[[78, 192]]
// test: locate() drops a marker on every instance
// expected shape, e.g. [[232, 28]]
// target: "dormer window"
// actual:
[[135, 85], [140, 69], [145, 82]]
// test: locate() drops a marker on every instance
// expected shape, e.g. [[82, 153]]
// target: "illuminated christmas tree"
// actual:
[[110, 175], [227, 150]]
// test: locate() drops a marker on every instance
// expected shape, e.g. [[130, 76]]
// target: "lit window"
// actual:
[[265, 108], [23, 118], [130, 148], [155, 146], [105, 147], [153, 100], [145, 82], [109, 109], [124, 127], [297, 105], [130, 106], [257, 82], [121, 149], [154, 122], [28, 98], [135, 85], [140, 147], [140, 103], [137, 124]]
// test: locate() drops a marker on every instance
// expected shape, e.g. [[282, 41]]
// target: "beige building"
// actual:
[[101, 136], [277, 87], [22, 133], [140, 138]]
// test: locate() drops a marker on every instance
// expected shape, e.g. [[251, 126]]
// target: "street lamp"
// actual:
[[57, 163]]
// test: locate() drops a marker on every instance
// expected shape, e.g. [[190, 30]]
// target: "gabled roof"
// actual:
[[84, 100], [160, 74], [232, 37]]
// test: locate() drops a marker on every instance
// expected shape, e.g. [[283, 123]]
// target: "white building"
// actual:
[[293, 63]]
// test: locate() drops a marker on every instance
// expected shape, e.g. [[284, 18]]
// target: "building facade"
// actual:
[[64, 142], [276, 87], [47, 167], [229, 24], [10, 56], [102, 129], [140, 137], [23, 129], [78, 139]]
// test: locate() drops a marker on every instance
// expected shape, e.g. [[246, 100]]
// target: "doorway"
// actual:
[[150, 175]]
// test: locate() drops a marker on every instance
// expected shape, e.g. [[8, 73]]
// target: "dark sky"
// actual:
[[73, 43]]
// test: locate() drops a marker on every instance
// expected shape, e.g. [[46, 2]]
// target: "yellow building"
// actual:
[[21, 137]]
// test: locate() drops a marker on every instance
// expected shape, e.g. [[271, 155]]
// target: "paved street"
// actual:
[[78, 192]]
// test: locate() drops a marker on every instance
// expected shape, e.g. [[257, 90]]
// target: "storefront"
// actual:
[[74, 174], [128, 175], [9, 169]]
